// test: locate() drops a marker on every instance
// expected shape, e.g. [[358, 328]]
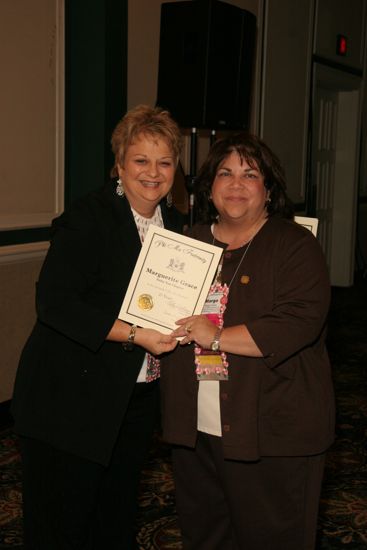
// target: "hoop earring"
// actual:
[[119, 189], [169, 199]]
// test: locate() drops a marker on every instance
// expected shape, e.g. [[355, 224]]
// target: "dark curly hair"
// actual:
[[252, 149]]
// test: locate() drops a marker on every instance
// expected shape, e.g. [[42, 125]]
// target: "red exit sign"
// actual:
[[341, 44]]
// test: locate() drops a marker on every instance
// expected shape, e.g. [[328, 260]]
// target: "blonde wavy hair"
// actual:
[[153, 122]]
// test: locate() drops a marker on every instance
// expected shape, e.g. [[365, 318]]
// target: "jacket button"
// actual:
[[224, 396], [226, 427], [228, 255]]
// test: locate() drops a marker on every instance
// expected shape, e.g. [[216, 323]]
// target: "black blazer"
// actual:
[[72, 386]]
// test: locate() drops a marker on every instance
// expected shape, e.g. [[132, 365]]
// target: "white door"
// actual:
[[334, 167], [323, 165]]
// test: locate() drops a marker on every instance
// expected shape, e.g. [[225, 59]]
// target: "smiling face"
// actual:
[[147, 173], [238, 191]]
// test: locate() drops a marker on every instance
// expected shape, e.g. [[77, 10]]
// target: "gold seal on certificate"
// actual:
[[171, 280], [145, 301]]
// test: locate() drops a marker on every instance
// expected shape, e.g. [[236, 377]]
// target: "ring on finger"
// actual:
[[188, 329]]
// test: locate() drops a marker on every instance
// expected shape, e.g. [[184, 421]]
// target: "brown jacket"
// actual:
[[281, 404]]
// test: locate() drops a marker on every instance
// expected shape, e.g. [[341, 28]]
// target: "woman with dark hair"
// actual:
[[256, 153], [247, 397], [86, 395]]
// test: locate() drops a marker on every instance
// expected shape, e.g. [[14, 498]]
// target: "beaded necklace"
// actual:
[[211, 365]]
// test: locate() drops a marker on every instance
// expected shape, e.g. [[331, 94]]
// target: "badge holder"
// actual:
[[213, 365]]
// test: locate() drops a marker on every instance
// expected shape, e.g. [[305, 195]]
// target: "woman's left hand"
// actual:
[[197, 328]]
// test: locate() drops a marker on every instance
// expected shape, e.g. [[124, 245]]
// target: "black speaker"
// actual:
[[206, 59]]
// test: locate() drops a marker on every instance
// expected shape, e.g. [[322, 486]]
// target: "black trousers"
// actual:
[[222, 504], [71, 503]]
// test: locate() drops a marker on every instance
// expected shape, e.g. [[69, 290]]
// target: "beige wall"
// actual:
[[17, 311], [31, 158], [286, 87], [333, 18], [31, 99]]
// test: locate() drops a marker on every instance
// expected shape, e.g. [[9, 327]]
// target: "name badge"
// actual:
[[213, 365]]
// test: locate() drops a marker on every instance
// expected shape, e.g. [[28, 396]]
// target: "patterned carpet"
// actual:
[[343, 509]]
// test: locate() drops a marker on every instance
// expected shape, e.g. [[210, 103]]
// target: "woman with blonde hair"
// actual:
[[86, 391]]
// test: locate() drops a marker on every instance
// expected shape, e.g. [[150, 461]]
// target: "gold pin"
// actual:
[[245, 279]]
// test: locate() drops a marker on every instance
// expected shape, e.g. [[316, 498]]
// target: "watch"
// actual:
[[129, 344], [215, 345]]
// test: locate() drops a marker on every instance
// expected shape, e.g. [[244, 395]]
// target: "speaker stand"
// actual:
[[190, 179]]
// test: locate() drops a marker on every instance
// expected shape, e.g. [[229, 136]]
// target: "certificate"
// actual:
[[171, 280]]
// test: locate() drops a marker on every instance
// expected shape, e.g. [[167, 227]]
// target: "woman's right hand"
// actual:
[[154, 341]]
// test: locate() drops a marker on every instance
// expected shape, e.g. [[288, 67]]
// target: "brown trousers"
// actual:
[[222, 504]]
